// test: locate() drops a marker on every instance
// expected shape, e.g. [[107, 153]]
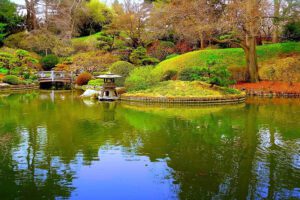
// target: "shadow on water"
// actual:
[[61, 146]]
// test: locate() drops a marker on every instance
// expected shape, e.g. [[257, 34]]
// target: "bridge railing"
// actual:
[[54, 75]]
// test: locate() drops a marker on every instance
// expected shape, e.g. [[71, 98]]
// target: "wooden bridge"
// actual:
[[57, 79]]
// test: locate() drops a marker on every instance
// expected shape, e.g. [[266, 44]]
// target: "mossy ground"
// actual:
[[183, 89]]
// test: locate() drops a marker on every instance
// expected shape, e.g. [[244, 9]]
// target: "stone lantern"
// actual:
[[108, 91]]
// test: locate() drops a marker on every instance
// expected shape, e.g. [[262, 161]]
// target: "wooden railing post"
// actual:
[[52, 75]]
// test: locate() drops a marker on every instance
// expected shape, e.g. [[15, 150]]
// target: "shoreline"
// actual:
[[233, 99], [270, 89], [18, 87]]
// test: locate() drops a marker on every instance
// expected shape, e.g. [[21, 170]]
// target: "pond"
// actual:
[[55, 145]]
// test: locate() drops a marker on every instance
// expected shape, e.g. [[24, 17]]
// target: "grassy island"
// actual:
[[185, 91]]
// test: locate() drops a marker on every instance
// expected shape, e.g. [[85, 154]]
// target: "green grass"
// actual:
[[183, 89], [89, 38], [232, 57]]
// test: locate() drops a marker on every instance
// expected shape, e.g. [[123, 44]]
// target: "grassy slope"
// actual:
[[233, 57], [182, 89], [90, 38]]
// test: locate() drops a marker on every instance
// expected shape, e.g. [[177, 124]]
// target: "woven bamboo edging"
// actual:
[[19, 87], [188, 100]]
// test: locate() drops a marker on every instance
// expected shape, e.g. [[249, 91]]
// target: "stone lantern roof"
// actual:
[[109, 76]]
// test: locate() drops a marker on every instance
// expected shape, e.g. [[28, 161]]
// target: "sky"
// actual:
[[22, 2]]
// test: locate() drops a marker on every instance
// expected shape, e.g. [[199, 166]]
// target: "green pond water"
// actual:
[[54, 145]]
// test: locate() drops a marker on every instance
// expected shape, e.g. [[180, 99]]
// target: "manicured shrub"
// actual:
[[213, 75], [16, 71], [150, 61], [27, 82], [7, 60], [19, 59], [105, 41], [26, 75], [194, 73], [123, 69], [33, 77], [11, 79], [220, 76], [3, 70], [96, 82], [49, 61], [22, 53], [137, 55], [141, 78], [83, 78]]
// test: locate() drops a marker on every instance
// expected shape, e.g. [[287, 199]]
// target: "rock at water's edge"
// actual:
[[90, 93]]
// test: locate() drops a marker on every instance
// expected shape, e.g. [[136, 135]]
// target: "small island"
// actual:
[[186, 92]]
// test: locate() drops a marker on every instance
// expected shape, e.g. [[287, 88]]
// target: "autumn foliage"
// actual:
[[83, 78], [268, 87]]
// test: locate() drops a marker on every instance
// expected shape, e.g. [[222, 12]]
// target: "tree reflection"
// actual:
[[234, 152], [218, 154]]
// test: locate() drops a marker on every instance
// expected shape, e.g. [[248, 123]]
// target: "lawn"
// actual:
[[231, 58]]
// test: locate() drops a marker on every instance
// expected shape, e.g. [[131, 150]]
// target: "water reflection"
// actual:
[[63, 147]]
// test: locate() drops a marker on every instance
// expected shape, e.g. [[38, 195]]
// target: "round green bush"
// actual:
[[138, 55], [123, 69], [214, 75], [49, 61], [11, 79], [96, 82], [3, 70], [194, 74], [141, 78]]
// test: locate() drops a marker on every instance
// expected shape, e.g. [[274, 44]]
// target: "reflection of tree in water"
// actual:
[[50, 133], [28, 169], [35, 178], [217, 155], [275, 171]]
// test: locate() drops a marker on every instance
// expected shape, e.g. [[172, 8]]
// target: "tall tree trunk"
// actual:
[[251, 58], [253, 66], [275, 37], [46, 13], [31, 21], [253, 29]]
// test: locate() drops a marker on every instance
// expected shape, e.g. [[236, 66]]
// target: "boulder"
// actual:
[[90, 94]]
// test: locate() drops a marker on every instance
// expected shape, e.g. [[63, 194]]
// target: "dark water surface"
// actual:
[[54, 145]]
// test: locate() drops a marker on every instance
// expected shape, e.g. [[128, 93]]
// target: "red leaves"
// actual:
[[266, 87]]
